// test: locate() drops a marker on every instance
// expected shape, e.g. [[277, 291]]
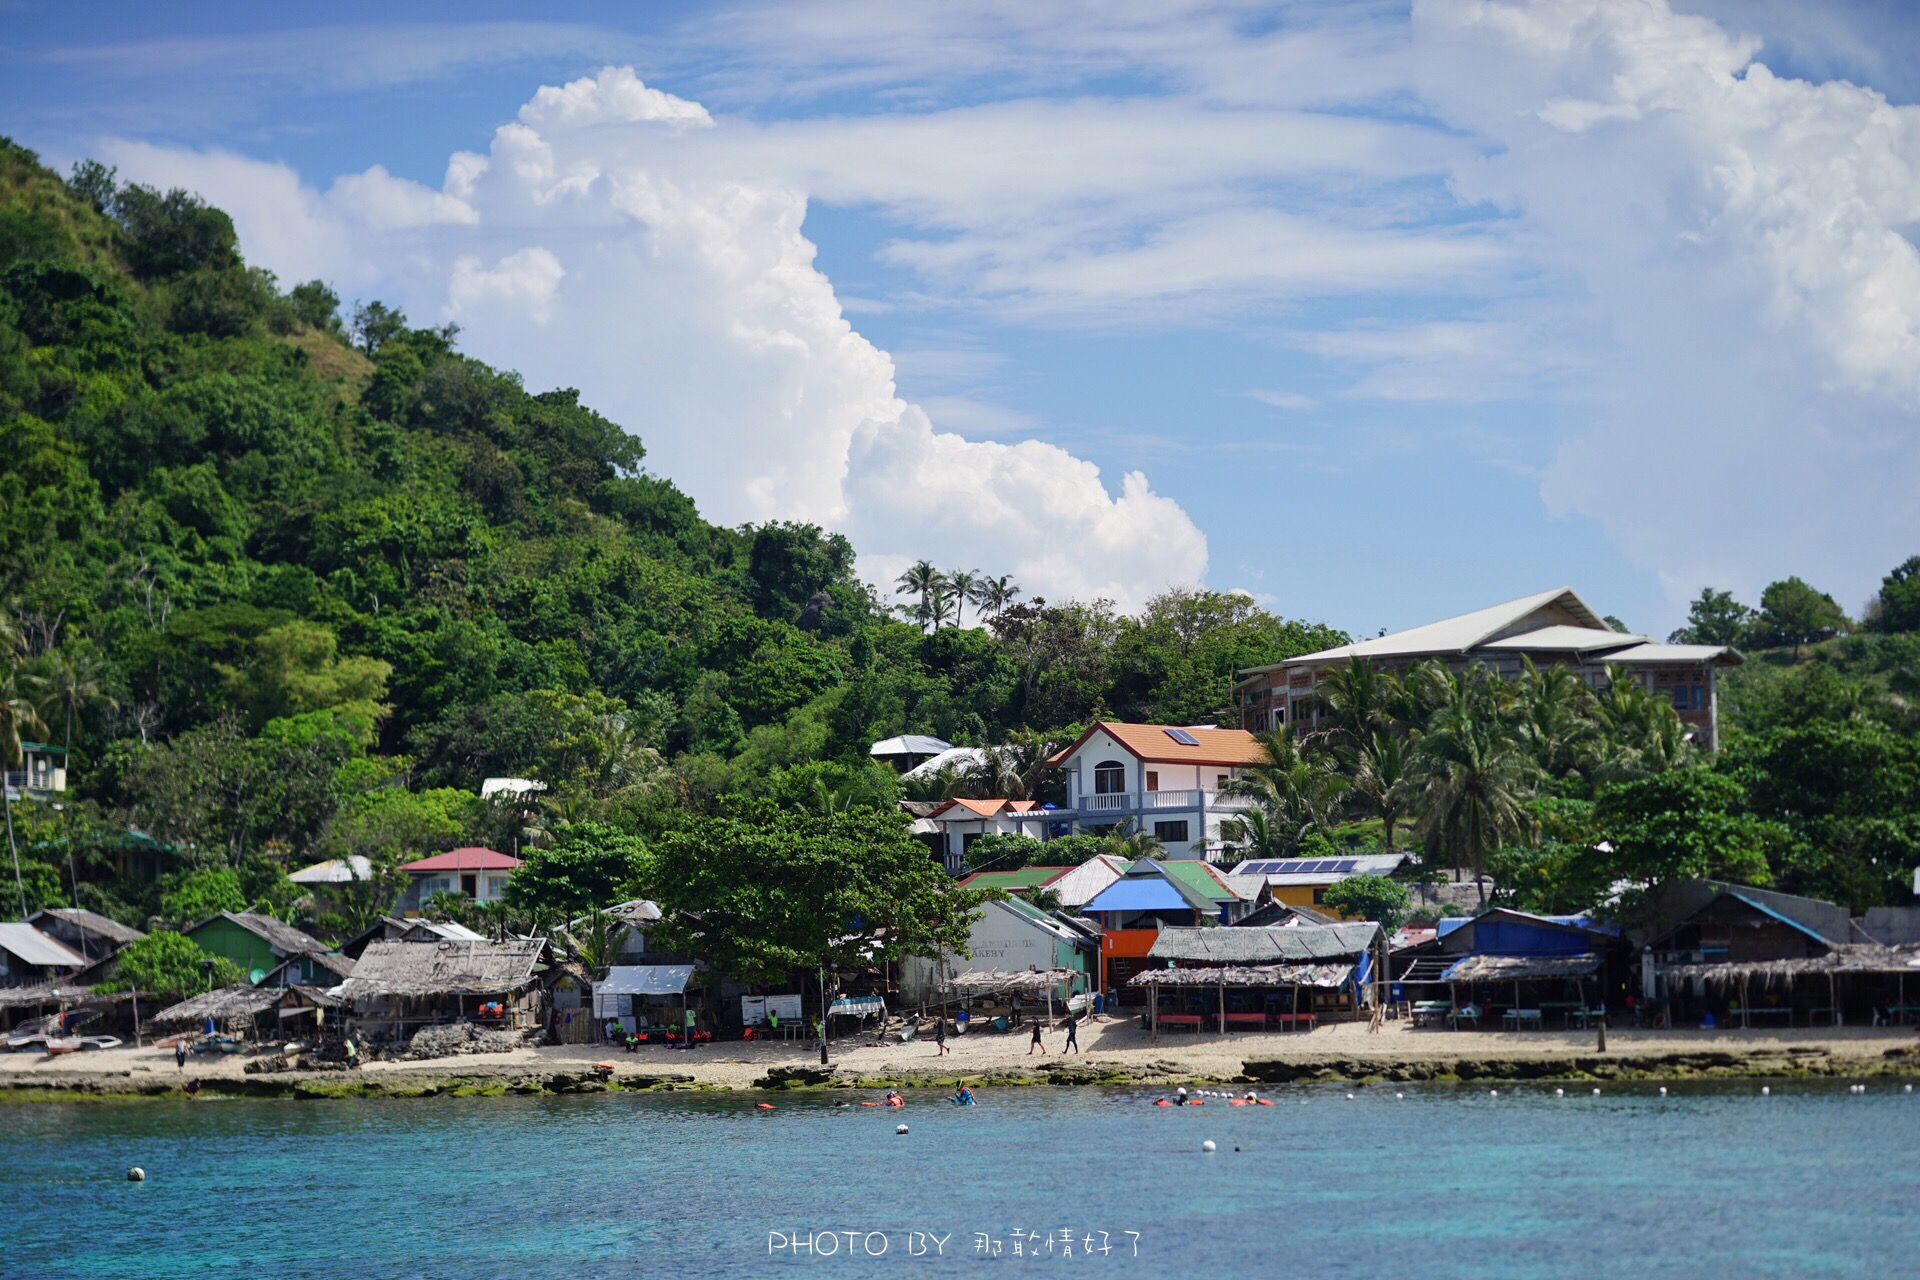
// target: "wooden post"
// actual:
[[1153, 1012], [1833, 996], [1746, 1000], [1296, 1007], [1222, 987]]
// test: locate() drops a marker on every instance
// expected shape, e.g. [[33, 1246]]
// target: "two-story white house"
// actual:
[[1166, 779]]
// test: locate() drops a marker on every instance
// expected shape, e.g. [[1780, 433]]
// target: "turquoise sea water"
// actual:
[[1446, 1181]]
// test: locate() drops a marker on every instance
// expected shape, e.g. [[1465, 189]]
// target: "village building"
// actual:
[[91, 934], [398, 987], [951, 827], [1008, 938], [1303, 882], [42, 772], [348, 870], [470, 872], [256, 944], [908, 750], [1072, 887], [1753, 957], [1548, 627], [1166, 781], [1514, 969], [416, 929], [1151, 895], [246, 1012], [30, 958], [1292, 976], [323, 969]]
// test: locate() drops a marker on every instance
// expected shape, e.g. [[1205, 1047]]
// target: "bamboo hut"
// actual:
[[1868, 975], [235, 1010], [1327, 965], [398, 987]]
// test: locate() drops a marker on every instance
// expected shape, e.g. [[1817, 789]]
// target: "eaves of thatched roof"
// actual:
[[1247, 975], [444, 968], [1293, 944], [1519, 968], [1856, 957], [228, 1002]]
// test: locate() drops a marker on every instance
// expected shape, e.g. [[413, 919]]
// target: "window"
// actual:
[[1219, 780], [1153, 780], [966, 841], [1109, 778], [1319, 897], [1171, 832], [470, 884], [1699, 697]]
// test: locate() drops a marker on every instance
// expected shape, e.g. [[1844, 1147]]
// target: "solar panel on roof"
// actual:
[[1182, 737], [1346, 864]]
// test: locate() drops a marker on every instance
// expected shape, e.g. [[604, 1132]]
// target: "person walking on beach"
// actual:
[[1073, 1035], [940, 1036], [353, 1054], [1035, 1043], [180, 1055]]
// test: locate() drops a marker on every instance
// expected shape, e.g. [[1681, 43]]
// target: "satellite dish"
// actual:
[[256, 976]]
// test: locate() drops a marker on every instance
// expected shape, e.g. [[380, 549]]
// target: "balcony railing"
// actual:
[[1122, 802]]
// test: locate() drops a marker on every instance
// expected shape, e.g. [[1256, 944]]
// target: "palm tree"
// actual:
[[965, 586], [997, 593], [74, 682], [18, 713], [1358, 701], [920, 579], [1474, 778], [1553, 713], [1298, 790], [1128, 841], [1253, 835], [943, 783], [1379, 777]]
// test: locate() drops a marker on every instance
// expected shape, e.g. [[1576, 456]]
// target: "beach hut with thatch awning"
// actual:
[[1871, 979], [402, 986], [1267, 972]]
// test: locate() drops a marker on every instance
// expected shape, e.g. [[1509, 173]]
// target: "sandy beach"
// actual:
[[1111, 1052]]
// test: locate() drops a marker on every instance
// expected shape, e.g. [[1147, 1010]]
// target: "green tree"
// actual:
[[1473, 774], [922, 580], [763, 892], [296, 668], [316, 306], [1715, 617], [1297, 792], [591, 866], [1006, 853], [1791, 612], [1679, 825], [169, 964], [1386, 902], [198, 894]]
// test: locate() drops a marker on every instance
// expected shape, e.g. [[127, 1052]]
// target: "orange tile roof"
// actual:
[[1150, 742], [986, 808]]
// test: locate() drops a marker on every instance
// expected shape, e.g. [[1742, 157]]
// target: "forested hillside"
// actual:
[[291, 583]]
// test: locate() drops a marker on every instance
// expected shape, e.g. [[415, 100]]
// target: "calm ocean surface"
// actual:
[[1712, 1180]]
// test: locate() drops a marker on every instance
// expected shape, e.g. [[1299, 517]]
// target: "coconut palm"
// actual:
[[944, 783], [1553, 711], [19, 714], [997, 593], [74, 682], [1299, 790], [964, 586], [1130, 842], [1252, 835], [1380, 779], [1474, 777], [921, 579], [1358, 701]]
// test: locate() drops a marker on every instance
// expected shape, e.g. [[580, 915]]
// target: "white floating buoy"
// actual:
[[1663, 1091], [1493, 1093], [1596, 1093], [1349, 1097], [1766, 1090], [900, 1129], [1906, 1088], [1559, 1093], [1207, 1146], [1399, 1095], [136, 1174]]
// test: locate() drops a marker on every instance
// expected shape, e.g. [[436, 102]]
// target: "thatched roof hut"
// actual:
[[1036, 982], [223, 1005], [1855, 957], [444, 968], [1520, 968], [1330, 976], [1293, 944]]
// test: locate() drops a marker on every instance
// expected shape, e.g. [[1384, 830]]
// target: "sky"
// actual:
[[1379, 312]]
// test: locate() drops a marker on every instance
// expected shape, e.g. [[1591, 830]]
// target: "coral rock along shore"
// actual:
[[1118, 1054]]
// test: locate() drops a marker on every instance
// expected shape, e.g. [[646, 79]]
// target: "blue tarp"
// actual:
[[1139, 894]]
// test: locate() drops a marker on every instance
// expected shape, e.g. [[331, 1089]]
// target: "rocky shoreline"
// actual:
[[501, 1081]]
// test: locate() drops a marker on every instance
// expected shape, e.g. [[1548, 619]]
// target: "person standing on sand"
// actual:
[[1035, 1043], [1073, 1035], [180, 1055], [940, 1037]]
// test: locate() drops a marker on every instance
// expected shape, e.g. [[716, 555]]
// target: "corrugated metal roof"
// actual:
[[1295, 943], [1141, 893], [278, 934], [1567, 639], [92, 922], [1723, 655], [471, 858], [645, 980], [910, 744], [36, 948], [1456, 634], [1024, 878]]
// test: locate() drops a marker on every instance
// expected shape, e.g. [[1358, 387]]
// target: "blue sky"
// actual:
[[1388, 312]]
